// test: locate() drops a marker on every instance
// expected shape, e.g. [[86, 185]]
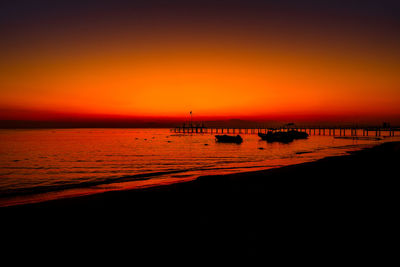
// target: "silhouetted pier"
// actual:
[[329, 131]]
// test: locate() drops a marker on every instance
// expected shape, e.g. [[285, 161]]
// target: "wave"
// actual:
[[65, 185], [61, 185]]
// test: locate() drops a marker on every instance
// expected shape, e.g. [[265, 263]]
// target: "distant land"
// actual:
[[12, 118], [36, 119], [165, 123]]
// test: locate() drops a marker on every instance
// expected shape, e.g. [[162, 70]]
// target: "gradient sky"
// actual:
[[243, 59]]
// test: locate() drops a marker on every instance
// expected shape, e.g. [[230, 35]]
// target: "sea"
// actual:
[[45, 164]]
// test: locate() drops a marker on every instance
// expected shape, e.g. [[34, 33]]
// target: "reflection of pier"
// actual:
[[329, 131]]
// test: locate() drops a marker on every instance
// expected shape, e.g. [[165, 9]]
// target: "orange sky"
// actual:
[[235, 73]]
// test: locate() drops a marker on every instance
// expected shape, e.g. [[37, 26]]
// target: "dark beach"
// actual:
[[334, 206]]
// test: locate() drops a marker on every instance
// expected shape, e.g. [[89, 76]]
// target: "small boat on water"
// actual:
[[283, 137], [228, 139], [298, 135]]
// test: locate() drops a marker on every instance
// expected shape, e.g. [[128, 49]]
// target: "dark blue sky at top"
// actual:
[[25, 24], [25, 21], [19, 14]]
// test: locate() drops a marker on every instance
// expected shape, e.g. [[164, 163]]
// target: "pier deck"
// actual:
[[330, 131]]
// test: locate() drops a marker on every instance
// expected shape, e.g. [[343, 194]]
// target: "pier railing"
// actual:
[[330, 131]]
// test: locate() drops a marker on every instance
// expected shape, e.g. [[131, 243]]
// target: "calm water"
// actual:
[[37, 165]]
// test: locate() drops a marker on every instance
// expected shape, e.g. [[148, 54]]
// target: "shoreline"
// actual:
[[41, 194], [232, 181]]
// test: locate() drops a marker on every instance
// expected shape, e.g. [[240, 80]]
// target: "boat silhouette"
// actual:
[[283, 137], [228, 139], [298, 135]]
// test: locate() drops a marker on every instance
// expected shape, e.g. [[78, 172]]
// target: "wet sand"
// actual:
[[334, 206]]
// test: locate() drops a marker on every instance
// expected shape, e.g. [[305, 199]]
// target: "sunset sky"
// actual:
[[222, 59]]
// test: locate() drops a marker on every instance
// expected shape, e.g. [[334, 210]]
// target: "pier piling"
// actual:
[[354, 131]]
